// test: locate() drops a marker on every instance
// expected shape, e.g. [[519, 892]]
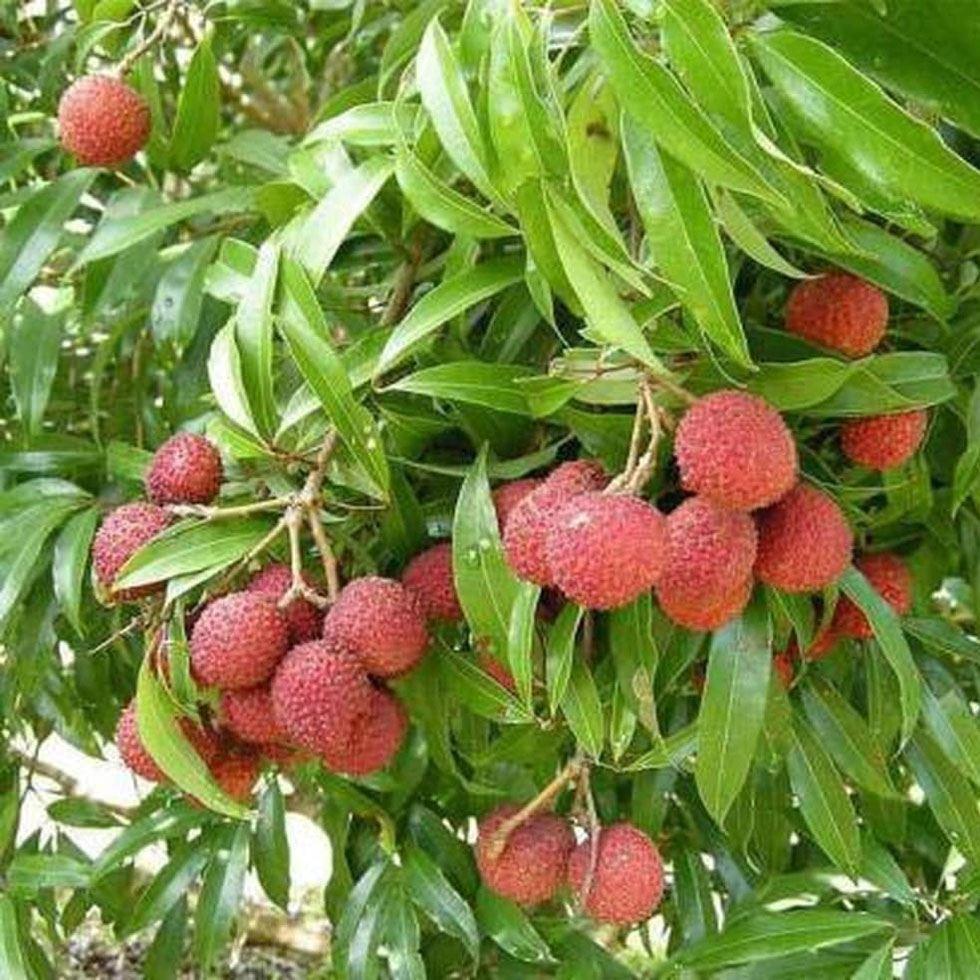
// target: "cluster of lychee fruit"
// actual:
[[618, 880], [289, 683]]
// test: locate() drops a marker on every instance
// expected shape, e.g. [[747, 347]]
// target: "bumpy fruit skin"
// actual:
[[238, 640], [882, 442], [711, 551], [507, 496], [429, 576], [804, 541], [629, 875], [303, 620], [236, 770], [375, 739], [532, 865], [382, 622], [889, 576], [124, 531], [782, 665], [319, 692], [702, 617], [248, 715], [103, 121], [838, 311], [735, 449], [527, 525], [604, 550], [186, 469], [492, 666], [131, 747]]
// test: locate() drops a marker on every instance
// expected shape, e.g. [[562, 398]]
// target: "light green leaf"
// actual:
[[583, 710], [560, 651], [198, 109], [270, 846], [227, 384], [71, 551], [13, 965], [432, 893], [507, 924], [221, 893], [34, 344], [741, 230], [473, 382]]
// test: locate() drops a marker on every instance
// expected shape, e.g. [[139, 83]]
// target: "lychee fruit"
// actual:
[[123, 532], [303, 620], [429, 576], [375, 738], [711, 551], [804, 541], [782, 665], [319, 692], [248, 715], [604, 550], [838, 311], [132, 750], [382, 622], [531, 866], [508, 495], [889, 576], [103, 122], [628, 879], [236, 770], [526, 531], [186, 469], [882, 442], [735, 449], [238, 640], [492, 666], [707, 616]]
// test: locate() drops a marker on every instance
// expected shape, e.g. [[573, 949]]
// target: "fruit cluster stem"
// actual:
[[594, 831], [640, 466]]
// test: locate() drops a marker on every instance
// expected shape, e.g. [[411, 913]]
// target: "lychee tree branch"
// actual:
[[327, 558], [150, 40], [219, 513], [594, 831]]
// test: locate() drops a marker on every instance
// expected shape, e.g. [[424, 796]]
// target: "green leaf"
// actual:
[[71, 551], [846, 113], [878, 965], [692, 893], [160, 825], [943, 637], [881, 869], [888, 631], [168, 887], [683, 238], [270, 846], [198, 109], [560, 652], [654, 98], [221, 893], [167, 948], [951, 798], [368, 124], [227, 384], [846, 736], [34, 345], [305, 328], [12, 963], [761, 936], [28, 873], [442, 206], [114, 235], [508, 926], [253, 338], [672, 751], [733, 707], [179, 295], [583, 710], [440, 81], [78, 812], [520, 640], [161, 735], [486, 586], [824, 802], [480, 692], [34, 231], [450, 298], [402, 937], [191, 547], [743, 232], [473, 382], [951, 723], [432, 893], [316, 237]]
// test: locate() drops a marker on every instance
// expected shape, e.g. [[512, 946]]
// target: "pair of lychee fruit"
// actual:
[[540, 856]]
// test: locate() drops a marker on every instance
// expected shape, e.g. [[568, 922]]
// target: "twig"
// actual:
[[151, 39], [298, 588], [401, 287], [594, 832], [327, 558], [217, 513], [118, 635], [569, 774]]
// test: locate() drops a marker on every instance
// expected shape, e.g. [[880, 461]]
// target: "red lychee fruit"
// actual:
[[628, 879], [132, 750], [238, 640], [838, 311], [735, 449], [429, 576], [319, 692], [375, 738], [604, 550], [382, 622], [248, 715], [492, 666], [782, 665], [882, 442], [804, 541], [507, 496], [123, 532], [706, 616], [526, 531], [103, 121], [186, 469], [303, 620], [889, 576], [236, 770], [711, 551], [531, 867]]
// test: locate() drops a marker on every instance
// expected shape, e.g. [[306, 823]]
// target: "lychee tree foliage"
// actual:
[[389, 258]]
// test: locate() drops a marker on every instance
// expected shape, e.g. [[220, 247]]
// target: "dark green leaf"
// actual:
[[270, 847], [583, 710], [198, 108], [509, 927], [432, 893], [221, 892]]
